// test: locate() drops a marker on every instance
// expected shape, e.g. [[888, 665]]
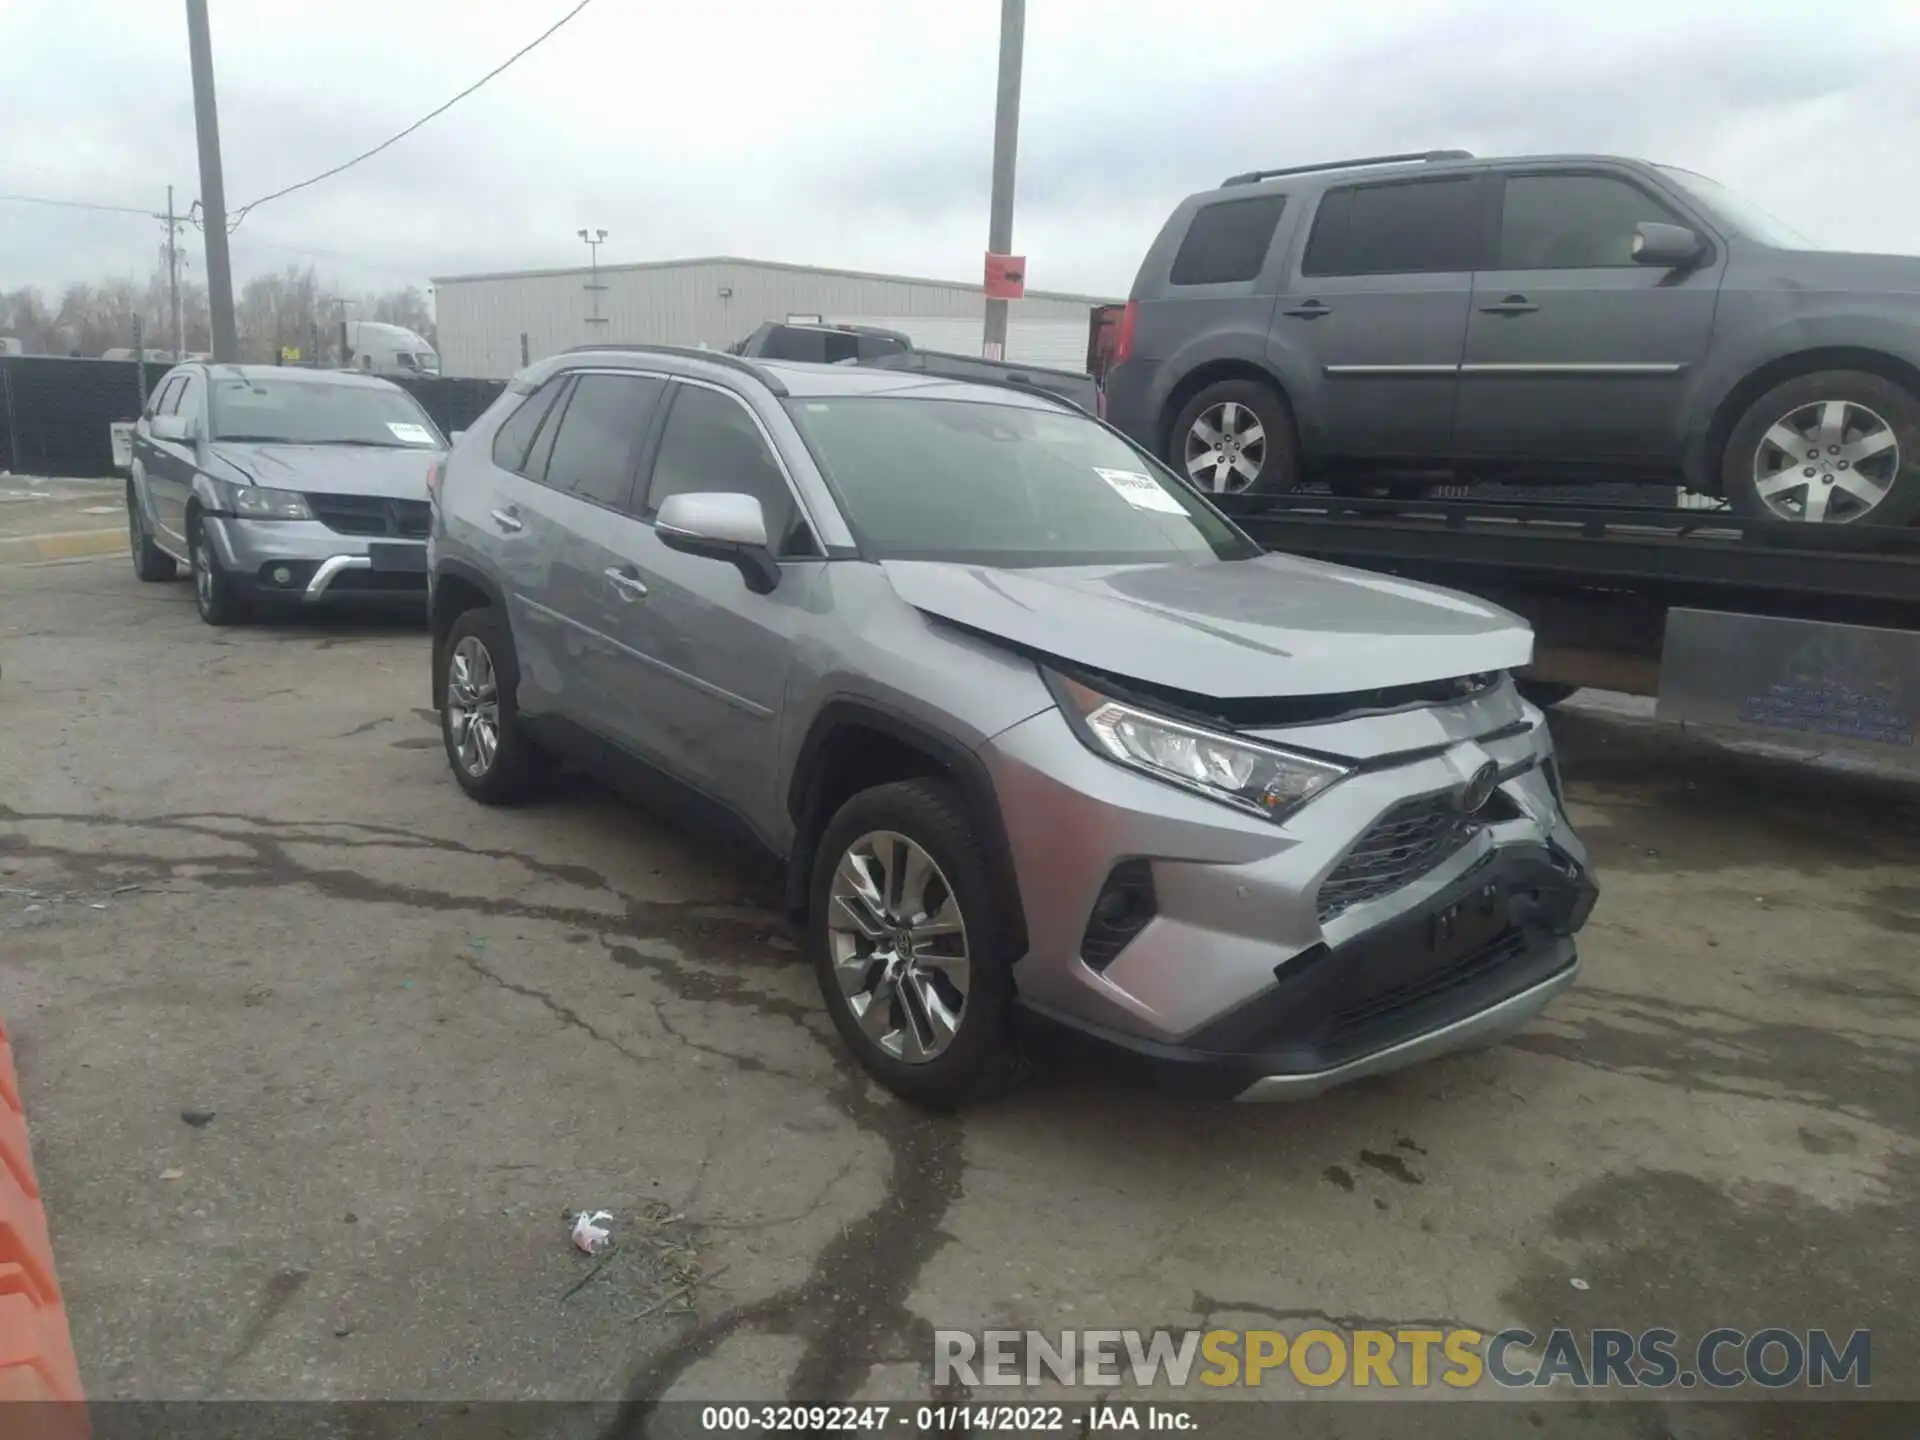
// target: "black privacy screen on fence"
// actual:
[[56, 415]]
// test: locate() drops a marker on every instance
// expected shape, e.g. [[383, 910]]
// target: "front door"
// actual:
[[709, 677], [1574, 352], [1375, 317]]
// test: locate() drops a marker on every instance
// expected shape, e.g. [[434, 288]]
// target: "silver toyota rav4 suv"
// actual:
[[1038, 734]]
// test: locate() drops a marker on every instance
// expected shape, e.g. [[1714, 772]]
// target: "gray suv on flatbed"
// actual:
[[1521, 318], [1034, 730]]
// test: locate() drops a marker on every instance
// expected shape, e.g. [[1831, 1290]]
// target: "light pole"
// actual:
[[595, 239], [1006, 137]]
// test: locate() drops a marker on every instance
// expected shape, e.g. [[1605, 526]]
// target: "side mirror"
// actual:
[[175, 428], [721, 527], [1664, 245]]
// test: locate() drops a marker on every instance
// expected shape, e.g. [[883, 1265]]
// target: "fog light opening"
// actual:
[[1121, 910], [282, 575]]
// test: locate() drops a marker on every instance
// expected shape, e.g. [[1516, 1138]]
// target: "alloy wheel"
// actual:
[[1226, 448], [202, 574], [473, 706], [1826, 461], [899, 946]]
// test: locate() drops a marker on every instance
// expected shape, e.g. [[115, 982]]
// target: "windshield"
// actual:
[[1738, 212], [988, 484], [318, 413]]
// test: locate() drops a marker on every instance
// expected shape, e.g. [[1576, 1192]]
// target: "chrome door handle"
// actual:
[[508, 521], [1512, 305], [629, 587], [1310, 310]]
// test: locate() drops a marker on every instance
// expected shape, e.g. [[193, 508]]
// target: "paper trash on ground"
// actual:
[[590, 1233]]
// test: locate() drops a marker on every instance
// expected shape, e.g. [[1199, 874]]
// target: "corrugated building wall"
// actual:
[[718, 301]]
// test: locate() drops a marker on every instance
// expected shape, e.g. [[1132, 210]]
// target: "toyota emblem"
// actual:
[[1475, 794]]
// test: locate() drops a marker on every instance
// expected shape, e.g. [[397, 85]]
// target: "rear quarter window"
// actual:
[[515, 436], [1227, 241]]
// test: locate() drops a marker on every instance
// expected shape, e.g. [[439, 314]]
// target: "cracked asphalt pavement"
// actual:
[[236, 880]]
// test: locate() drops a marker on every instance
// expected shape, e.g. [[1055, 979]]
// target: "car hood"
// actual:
[[1836, 270], [1272, 626], [391, 473]]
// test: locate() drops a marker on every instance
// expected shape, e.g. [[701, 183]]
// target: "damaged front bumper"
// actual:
[[1274, 963]]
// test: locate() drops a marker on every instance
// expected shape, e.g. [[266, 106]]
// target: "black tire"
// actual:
[[518, 769], [1278, 460], [215, 596], [1544, 693], [150, 562], [980, 1059], [1867, 396]]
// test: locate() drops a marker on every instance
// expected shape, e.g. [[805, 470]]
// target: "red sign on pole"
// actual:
[[1006, 277]]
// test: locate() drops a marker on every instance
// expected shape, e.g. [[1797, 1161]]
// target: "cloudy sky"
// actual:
[[858, 132]]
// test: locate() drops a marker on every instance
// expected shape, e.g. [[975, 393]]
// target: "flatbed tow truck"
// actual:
[[1803, 635]]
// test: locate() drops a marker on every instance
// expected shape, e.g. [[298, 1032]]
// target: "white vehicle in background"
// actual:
[[381, 349]]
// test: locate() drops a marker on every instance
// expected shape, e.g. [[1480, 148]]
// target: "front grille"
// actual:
[[372, 515], [1365, 1017], [1404, 844]]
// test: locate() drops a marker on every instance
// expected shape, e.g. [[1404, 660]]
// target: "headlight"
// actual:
[[257, 502], [1259, 778]]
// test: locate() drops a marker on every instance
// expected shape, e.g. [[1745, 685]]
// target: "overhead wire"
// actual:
[[541, 38]]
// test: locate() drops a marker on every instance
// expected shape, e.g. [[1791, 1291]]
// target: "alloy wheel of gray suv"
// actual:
[[476, 674], [1836, 447], [1235, 438], [906, 943]]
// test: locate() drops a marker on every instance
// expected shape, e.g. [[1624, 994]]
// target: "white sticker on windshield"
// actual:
[[1140, 490], [413, 434]]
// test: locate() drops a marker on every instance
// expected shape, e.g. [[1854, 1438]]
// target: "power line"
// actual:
[[244, 210], [77, 204]]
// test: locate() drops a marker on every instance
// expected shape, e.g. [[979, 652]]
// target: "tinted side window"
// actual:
[[514, 438], [1573, 222], [168, 395], [186, 400], [1227, 241], [598, 443], [1412, 227], [711, 444], [536, 466]]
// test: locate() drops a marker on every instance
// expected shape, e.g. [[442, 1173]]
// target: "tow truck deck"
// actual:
[[1807, 635]]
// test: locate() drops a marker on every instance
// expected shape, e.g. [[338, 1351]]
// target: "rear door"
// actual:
[[588, 503], [710, 657], [1574, 352], [1372, 327], [511, 527]]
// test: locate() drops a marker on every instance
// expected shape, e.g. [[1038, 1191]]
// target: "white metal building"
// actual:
[[719, 300]]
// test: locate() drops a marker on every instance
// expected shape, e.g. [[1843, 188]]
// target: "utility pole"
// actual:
[[173, 280], [213, 193], [595, 239], [1006, 137]]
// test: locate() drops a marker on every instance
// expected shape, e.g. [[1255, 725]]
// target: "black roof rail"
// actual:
[[691, 352], [1251, 176]]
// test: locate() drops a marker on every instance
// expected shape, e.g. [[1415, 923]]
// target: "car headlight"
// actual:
[[1262, 779], [257, 502]]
